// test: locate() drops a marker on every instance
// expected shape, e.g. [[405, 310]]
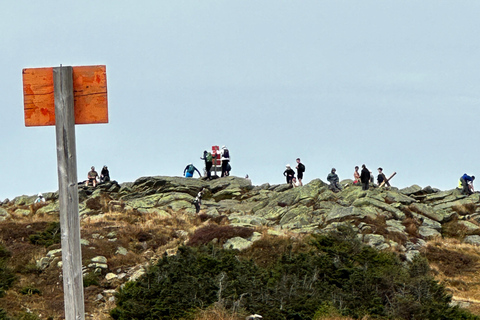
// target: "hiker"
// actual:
[[467, 184], [289, 173], [104, 174], [40, 199], [365, 177], [198, 200], [381, 178], [225, 158], [334, 181], [207, 156], [356, 176], [248, 178], [190, 170], [92, 177], [300, 170]]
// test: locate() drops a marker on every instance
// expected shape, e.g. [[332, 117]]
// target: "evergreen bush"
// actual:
[[337, 275]]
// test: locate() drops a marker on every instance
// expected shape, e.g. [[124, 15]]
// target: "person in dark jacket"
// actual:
[[381, 177], [467, 184], [207, 156], [105, 174], [289, 173], [365, 177], [334, 181], [300, 170]]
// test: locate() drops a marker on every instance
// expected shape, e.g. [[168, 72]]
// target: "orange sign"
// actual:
[[89, 93]]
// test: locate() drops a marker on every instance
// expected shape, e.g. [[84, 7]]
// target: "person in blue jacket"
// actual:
[[190, 170], [467, 184]]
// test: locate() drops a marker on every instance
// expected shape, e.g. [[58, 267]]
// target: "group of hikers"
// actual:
[[223, 154], [365, 177], [289, 174], [92, 176]]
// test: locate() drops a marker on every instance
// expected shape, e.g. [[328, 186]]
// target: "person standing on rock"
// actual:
[[356, 176], [334, 181], [467, 184], [190, 170], [207, 156], [225, 158], [300, 170], [365, 177], [198, 200], [381, 178], [289, 174]]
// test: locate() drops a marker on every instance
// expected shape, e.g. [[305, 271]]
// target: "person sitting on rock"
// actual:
[[467, 184], [289, 174], [190, 170], [104, 174], [334, 181], [40, 199], [92, 177]]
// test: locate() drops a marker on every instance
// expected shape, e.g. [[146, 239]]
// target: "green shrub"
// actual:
[[51, 235], [30, 291], [91, 279], [3, 315], [7, 277], [338, 275]]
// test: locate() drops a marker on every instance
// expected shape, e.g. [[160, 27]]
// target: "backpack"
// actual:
[[226, 153], [209, 157], [301, 167], [191, 169]]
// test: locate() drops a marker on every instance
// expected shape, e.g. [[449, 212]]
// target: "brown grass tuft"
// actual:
[[206, 234], [451, 263], [465, 209]]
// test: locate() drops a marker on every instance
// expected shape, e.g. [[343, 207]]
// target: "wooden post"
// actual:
[[68, 193], [384, 181]]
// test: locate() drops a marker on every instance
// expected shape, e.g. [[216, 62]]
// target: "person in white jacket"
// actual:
[[225, 158]]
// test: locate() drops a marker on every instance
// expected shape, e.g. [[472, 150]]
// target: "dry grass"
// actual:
[[461, 280], [465, 209], [218, 312], [209, 232]]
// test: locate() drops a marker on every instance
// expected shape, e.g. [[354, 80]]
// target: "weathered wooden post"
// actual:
[[64, 96], [68, 193]]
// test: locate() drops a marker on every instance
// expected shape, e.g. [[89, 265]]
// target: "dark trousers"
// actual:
[[208, 167], [465, 188], [365, 185], [224, 167], [197, 207]]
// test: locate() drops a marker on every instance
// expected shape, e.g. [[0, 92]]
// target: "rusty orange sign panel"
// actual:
[[89, 93]]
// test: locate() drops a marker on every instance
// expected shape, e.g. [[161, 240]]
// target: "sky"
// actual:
[[392, 84]]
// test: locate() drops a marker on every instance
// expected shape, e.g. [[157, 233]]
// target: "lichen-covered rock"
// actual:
[[473, 239]]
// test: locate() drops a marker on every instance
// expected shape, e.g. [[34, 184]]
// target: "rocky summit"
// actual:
[[384, 218], [401, 220]]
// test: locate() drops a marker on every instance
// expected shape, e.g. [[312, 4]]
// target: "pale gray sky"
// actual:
[[337, 83]]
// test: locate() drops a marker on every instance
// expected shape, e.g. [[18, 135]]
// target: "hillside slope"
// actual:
[[126, 227]]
